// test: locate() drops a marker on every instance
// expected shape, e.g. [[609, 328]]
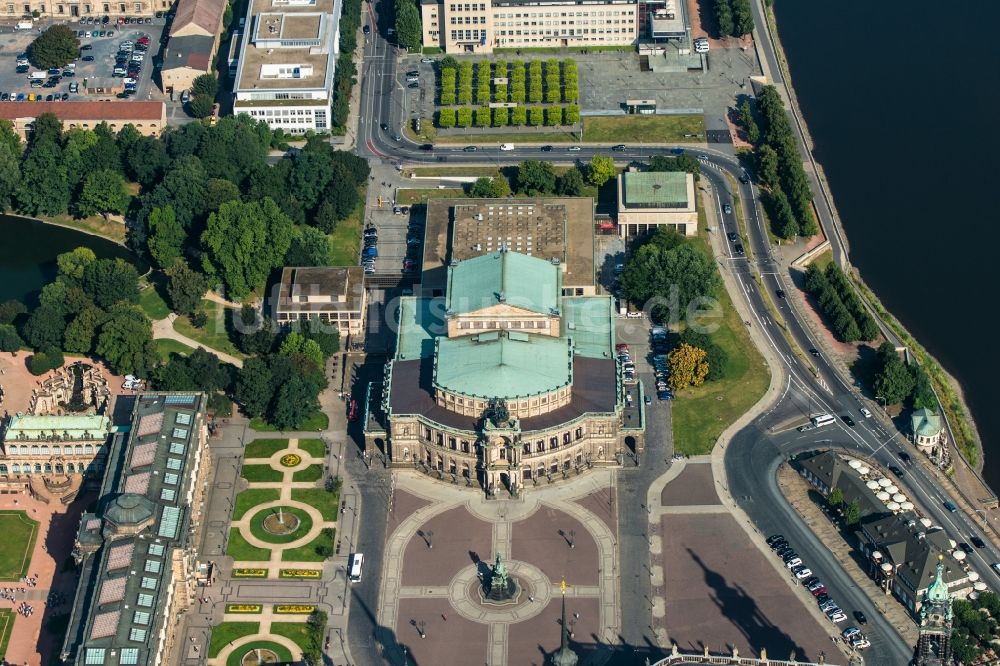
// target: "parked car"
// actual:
[[727, 209], [805, 572], [860, 617], [837, 618], [977, 541], [865, 412]]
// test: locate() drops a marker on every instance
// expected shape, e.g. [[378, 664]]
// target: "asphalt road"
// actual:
[[813, 386]]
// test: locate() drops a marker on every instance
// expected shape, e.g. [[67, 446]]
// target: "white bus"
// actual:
[[822, 420], [354, 568]]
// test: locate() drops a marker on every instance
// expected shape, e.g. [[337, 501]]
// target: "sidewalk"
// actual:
[[164, 329]]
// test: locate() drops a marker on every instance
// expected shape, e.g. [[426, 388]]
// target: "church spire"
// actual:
[[565, 656]]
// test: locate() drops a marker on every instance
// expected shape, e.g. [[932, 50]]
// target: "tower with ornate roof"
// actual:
[[934, 637]]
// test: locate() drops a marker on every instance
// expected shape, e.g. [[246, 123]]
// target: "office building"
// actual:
[[651, 199], [334, 295]]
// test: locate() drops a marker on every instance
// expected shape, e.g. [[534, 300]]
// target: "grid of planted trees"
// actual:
[[536, 92]]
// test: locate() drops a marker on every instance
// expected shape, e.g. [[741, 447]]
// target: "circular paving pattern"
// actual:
[[464, 594], [291, 460], [294, 524], [257, 656]]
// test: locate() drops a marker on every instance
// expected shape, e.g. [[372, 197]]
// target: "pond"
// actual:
[[28, 255]]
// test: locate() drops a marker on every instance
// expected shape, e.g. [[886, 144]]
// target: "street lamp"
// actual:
[[884, 402], [420, 627], [430, 535], [572, 538]]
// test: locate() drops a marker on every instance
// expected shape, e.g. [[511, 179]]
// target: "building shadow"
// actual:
[[743, 612]]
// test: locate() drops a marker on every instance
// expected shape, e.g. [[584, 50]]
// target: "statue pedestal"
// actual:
[[498, 596]]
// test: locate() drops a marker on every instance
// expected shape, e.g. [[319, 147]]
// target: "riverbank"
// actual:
[[92, 226], [965, 435]]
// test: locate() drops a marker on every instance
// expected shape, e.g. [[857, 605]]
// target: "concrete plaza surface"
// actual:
[[441, 538]]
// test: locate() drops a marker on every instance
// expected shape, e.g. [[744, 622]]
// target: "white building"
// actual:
[[286, 63]]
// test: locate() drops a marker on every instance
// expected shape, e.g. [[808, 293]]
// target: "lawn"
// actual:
[[284, 656], [325, 502], [165, 347], [471, 138], [308, 552], [153, 304], [242, 551], [227, 632], [314, 447], [702, 413], [95, 224], [643, 129], [311, 473], [18, 544], [214, 335], [257, 526], [823, 259], [251, 497], [264, 448], [6, 625], [454, 171], [416, 196], [261, 474], [346, 235], [296, 631], [317, 422]]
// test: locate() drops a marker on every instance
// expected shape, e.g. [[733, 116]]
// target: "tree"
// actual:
[[81, 331], [253, 387], [687, 366], [56, 47], [182, 186], [254, 333], [294, 403], [489, 188], [209, 374], [10, 341], [893, 381], [205, 84], [243, 242], [685, 162], [535, 177], [200, 106], [44, 328], [715, 355], [174, 375], [922, 394], [220, 191], [109, 281], [103, 153], [166, 236], [767, 165], [323, 334], [72, 264], [408, 29], [296, 343], [10, 176], [10, 138], [742, 18], [601, 170], [44, 187], [570, 183], [309, 247], [103, 192], [185, 287], [146, 160], [39, 363], [681, 274], [852, 513], [10, 310], [126, 342], [835, 499], [723, 18]]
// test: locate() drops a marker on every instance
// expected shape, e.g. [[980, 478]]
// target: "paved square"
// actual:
[[721, 591], [694, 486], [457, 536], [538, 540]]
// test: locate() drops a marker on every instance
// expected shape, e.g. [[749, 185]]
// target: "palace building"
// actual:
[[504, 380]]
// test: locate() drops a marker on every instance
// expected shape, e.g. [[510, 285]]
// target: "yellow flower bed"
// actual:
[[300, 573], [244, 608], [294, 609], [291, 459], [249, 573]]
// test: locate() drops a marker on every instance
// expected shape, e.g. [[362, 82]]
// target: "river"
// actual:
[[899, 100], [28, 254]]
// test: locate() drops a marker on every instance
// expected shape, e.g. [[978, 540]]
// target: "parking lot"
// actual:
[[101, 49]]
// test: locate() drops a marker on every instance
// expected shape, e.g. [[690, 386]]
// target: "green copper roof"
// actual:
[[589, 321], [938, 590], [419, 321], [30, 426], [503, 364], [925, 423], [521, 281], [655, 189]]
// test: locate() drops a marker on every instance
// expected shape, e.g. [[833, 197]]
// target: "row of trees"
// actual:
[[779, 165], [732, 18], [524, 82], [345, 75], [840, 304], [897, 382], [483, 116], [408, 30]]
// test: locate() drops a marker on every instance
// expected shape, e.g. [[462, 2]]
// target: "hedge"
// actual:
[[446, 118], [518, 116], [501, 117], [554, 115], [464, 117], [482, 117], [572, 114], [536, 115]]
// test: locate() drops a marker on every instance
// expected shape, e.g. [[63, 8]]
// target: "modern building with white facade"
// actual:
[[479, 27], [286, 63]]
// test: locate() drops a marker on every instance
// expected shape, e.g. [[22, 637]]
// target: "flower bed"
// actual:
[[244, 608], [249, 573], [300, 573], [294, 609], [291, 459]]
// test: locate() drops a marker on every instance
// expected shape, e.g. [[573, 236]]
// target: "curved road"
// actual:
[[812, 384]]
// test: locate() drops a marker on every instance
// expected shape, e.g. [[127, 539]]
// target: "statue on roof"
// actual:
[[496, 412]]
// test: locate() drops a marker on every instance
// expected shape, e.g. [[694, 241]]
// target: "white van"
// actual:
[[506, 146], [354, 567], [38, 76], [24, 25]]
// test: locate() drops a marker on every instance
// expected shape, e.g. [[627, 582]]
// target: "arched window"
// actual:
[[78, 450], [48, 468], [526, 448], [38, 468], [45, 449], [70, 468], [16, 468], [3, 468], [34, 450], [88, 449], [59, 468], [56, 450], [24, 449]]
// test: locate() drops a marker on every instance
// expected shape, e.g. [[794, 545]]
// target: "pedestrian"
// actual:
[[444, 617]]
